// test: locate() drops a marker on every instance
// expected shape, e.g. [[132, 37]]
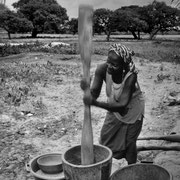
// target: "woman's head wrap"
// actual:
[[124, 52]]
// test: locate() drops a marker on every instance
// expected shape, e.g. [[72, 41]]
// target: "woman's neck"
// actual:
[[117, 78]]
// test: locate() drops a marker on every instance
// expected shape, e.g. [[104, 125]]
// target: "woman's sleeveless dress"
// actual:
[[114, 130]]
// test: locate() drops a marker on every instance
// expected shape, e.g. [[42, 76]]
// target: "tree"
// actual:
[[127, 19], [175, 3], [102, 19], [43, 14], [13, 23], [73, 25], [159, 17], [3, 7], [51, 24]]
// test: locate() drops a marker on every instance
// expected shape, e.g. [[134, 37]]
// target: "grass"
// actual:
[[162, 51], [18, 79], [163, 48], [19, 82], [38, 81]]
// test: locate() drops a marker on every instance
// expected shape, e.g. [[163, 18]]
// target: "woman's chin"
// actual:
[[110, 71]]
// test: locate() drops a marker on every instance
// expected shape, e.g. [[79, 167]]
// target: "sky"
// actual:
[[72, 5]]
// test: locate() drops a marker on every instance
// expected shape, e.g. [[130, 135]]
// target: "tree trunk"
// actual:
[[108, 36], [134, 35], [153, 33], [9, 35], [34, 33], [139, 35]]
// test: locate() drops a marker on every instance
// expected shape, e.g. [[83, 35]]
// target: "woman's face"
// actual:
[[114, 63]]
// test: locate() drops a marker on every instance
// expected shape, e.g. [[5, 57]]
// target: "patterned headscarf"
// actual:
[[122, 51], [125, 53]]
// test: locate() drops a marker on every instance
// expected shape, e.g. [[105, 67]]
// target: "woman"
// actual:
[[125, 102]]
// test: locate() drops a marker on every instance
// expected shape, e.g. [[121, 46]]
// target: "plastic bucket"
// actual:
[[142, 172], [100, 170]]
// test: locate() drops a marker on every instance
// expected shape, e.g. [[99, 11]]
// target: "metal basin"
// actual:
[[39, 174]]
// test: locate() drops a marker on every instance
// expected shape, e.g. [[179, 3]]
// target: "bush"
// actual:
[[10, 49]]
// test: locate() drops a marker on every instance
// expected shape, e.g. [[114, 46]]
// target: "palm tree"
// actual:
[[3, 2], [175, 3]]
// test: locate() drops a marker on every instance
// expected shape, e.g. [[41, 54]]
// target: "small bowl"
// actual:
[[50, 163]]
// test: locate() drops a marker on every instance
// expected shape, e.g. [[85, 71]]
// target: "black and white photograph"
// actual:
[[89, 89]]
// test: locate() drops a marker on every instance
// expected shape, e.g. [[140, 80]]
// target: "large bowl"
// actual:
[[50, 163]]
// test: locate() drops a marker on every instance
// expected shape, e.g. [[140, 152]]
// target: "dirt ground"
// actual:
[[48, 118]]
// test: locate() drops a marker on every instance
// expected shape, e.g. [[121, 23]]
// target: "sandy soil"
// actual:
[[54, 122]]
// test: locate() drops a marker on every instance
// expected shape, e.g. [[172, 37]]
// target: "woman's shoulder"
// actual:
[[102, 66], [130, 78], [131, 74]]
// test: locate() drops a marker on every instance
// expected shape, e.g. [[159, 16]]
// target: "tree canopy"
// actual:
[[102, 19], [43, 14], [128, 19], [13, 23], [73, 25], [159, 17], [3, 7], [47, 16], [153, 18]]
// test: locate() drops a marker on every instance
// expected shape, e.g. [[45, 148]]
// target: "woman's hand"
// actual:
[[123, 111], [88, 99], [84, 84]]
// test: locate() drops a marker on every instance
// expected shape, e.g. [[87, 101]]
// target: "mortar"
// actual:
[[142, 172], [99, 170]]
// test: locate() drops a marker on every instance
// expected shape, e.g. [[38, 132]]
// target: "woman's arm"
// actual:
[[98, 81], [100, 75], [125, 97]]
